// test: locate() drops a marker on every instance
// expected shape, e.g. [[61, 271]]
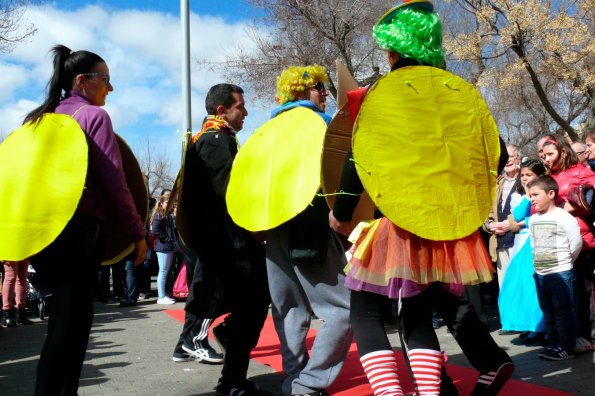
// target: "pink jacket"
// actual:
[[573, 177]]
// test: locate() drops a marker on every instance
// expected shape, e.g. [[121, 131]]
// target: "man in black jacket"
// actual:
[[227, 264]]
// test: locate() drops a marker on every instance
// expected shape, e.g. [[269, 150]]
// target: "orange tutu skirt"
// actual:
[[385, 257]]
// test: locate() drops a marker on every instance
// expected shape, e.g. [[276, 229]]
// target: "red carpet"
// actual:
[[352, 381]]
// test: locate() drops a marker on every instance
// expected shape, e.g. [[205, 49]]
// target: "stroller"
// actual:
[[38, 298]]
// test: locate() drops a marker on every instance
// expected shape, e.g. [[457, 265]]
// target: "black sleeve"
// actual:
[[351, 184]]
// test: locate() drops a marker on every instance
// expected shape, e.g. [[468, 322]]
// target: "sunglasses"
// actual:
[[319, 87], [103, 76]]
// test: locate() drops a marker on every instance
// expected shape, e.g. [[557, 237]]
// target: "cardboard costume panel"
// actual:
[[277, 173], [43, 167], [337, 143], [183, 223], [346, 83], [118, 242], [426, 149]]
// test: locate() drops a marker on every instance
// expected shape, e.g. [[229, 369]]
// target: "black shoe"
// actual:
[[202, 352], [529, 338], [535, 339], [435, 321], [508, 332], [220, 332], [10, 318], [556, 353], [544, 352], [491, 382], [127, 303], [238, 388], [524, 334], [144, 296], [180, 355], [22, 318]]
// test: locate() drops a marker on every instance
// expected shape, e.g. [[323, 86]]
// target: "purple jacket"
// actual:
[[105, 186]]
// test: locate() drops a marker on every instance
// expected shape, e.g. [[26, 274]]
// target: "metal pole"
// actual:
[[187, 108]]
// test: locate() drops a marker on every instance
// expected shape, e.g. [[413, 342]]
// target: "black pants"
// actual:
[[68, 267], [222, 284], [369, 310], [585, 293]]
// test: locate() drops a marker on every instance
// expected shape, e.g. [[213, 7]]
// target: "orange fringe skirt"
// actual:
[[390, 261]]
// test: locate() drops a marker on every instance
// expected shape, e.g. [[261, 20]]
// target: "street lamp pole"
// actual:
[[186, 102]]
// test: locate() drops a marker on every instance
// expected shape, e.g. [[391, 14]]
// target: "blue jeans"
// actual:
[[555, 293], [131, 289], [165, 260]]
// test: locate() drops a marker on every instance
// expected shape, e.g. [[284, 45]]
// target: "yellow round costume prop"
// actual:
[[277, 172], [118, 243], [426, 149], [43, 167]]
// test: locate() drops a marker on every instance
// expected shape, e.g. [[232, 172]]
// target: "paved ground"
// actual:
[[130, 354]]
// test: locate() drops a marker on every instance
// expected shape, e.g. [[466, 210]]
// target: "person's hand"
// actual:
[[141, 251], [496, 228], [340, 227], [504, 226]]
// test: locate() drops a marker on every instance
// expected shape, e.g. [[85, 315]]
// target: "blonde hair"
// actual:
[[158, 209], [293, 81]]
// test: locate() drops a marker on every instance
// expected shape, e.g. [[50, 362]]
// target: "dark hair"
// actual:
[[535, 165], [67, 65], [546, 183], [221, 94], [562, 146], [590, 134]]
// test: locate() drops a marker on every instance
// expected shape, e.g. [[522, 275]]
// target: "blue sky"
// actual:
[[141, 43]]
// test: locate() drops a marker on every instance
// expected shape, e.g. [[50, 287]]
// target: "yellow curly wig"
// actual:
[[294, 80]]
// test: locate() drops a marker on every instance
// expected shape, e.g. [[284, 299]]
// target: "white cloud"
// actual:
[[143, 52], [12, 115], [14, 77]]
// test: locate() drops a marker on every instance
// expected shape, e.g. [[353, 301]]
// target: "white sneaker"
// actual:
[[165, 301], [583, 345], [203, 352]]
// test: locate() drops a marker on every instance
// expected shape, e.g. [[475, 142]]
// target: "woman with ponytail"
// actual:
[[78, 88]]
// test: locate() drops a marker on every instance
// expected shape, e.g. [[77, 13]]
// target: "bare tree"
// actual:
[[507, 46], [299, 32], [155, 166], [533, 60], [13, 28]]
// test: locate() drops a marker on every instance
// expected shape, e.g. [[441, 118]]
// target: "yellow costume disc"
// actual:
[[42, 174], [426, 148], [276, 174]]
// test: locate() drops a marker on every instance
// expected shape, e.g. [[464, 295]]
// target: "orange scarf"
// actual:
[[214, 124]]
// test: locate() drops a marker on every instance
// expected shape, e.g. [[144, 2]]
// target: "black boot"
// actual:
[[23, 319], [10, 318]]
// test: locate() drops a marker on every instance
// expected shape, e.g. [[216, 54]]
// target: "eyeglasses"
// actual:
[[104, 76], [319, 87], [580, 152]]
